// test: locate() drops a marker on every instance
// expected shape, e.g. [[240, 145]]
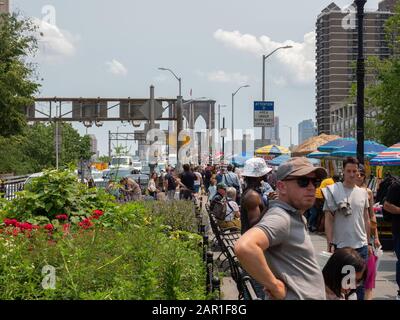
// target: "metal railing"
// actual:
[[9, 186]]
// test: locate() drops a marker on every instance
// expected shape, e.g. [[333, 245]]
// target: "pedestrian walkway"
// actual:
[[386, 287]]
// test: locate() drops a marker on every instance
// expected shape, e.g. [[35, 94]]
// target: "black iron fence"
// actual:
[[9, 186]]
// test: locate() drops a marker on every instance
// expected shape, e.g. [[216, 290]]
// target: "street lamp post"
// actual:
[[265, 57], [179, 117], [219, 115], [290, 136], [233, 123], [223, 139], [360, 80]]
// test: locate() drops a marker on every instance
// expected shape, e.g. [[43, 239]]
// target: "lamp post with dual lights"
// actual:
[[233, 122], [179, 117], [265, 57]]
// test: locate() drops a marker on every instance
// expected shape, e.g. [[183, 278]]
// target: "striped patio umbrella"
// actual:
[[388, 157], [337, 144], [272, 150], [371, 149]]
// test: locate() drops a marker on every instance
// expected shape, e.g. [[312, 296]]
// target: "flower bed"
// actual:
[[130, 251]]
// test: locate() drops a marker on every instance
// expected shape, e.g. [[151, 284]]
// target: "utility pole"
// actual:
[[360, 81], [223, 139], [109, 144]]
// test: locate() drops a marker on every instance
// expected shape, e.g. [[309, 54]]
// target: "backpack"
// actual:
[[218, 208], [382, 192]]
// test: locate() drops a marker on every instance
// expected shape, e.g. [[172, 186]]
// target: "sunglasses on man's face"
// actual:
[[303, 182]]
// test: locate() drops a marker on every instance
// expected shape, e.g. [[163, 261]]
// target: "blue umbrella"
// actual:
[[240, 159], [371, 149], [318, 155], [336, 144], [283, 158], [279, 160]]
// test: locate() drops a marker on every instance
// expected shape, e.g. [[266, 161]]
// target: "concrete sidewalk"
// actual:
[[386, 287]]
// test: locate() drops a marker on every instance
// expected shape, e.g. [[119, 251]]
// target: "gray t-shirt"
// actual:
[[349, 230], [291, 255]]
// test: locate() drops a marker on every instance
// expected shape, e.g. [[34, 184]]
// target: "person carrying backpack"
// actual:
[[218, 203]]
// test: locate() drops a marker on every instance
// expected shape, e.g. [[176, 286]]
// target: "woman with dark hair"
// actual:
[[152, 186], [344, 268]]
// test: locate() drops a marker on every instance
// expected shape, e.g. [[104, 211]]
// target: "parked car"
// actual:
[[137, 165]]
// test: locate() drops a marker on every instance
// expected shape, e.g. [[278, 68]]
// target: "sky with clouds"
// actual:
[[95, 48]]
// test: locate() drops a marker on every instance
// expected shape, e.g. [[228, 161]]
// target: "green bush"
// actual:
[[130, 254], [54, 193]]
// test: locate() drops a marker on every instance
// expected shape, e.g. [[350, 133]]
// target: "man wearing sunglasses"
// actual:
[[351, 227], [278, 251]]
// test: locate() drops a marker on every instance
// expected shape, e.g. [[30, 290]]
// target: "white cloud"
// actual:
[[160, 78], [224, 77], [280, 81], [55, 43], [297, 62], [117, 68]]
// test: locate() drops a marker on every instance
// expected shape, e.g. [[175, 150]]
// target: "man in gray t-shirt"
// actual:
[[348, 227], [278, 252]]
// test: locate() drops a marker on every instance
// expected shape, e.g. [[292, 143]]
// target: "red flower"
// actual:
[[11, 222], [25, 226], [62, 217], [49, 227], [86, 224], [15, 232], [98, 213]]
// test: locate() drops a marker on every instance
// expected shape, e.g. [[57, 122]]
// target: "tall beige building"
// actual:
[[4, 6], [336, 56]]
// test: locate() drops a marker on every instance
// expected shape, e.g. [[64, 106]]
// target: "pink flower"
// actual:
[[66, 227], [62, 217]]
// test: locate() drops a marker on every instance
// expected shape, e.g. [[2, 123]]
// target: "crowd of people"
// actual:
[[276, 210]]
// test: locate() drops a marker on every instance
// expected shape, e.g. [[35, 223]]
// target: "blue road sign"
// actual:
[[263, 113]]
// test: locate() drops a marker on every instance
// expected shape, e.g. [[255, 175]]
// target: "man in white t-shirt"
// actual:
[[348, 225]]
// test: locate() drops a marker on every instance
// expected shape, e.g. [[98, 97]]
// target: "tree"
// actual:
[[17, 88], [34, 150]]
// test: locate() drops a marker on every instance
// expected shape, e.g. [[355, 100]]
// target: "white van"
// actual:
[[121, 162]]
